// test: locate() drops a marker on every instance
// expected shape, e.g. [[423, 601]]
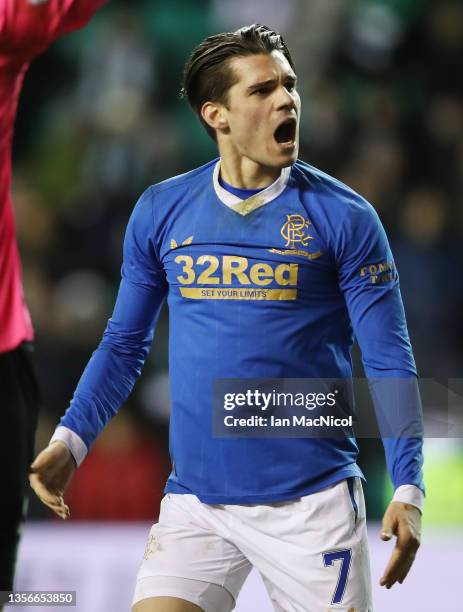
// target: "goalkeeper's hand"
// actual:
[[50, 474]]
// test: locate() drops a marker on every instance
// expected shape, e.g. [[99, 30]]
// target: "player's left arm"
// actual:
[[369, 281]]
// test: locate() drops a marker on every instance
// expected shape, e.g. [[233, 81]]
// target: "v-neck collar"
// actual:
[[244, 207]]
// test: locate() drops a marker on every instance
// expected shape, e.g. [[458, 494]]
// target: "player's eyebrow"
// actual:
[[290, 78]]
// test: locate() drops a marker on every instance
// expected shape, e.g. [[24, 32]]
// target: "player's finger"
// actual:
[[386, 531], [43, 491], [392, 568], [44, 494], [398, 577], [388, 528], [406, 569], [63, 512], [59, 508], [55, 505], [52, 499], [398, 567]]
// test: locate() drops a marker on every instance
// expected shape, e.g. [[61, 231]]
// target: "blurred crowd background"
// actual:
[[100, 119]]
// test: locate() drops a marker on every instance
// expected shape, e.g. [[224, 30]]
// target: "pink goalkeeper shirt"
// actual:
[[27, 27]]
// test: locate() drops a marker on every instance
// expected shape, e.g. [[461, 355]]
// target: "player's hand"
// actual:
[[403, 521], [50, 474]]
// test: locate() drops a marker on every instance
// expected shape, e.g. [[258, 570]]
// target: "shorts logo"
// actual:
[[151, 547], [293, 231]]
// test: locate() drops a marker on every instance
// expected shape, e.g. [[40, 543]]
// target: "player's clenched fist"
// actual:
[[50, 474]]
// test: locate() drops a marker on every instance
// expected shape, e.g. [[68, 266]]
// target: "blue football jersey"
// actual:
[[271, 286]]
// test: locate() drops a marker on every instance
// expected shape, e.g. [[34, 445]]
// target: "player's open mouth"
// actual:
[[285, 134]]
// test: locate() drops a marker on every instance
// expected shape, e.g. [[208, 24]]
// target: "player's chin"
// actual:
[[284, 154]]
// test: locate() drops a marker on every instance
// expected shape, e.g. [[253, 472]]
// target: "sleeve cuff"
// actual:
[[410, 494], [72, 441]]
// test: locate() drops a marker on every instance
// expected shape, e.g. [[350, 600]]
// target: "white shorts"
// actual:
[[312, 552]]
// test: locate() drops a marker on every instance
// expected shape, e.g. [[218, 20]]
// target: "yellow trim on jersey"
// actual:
[[237, 293]]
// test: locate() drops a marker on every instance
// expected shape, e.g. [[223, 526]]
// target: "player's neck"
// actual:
[[244, 173]]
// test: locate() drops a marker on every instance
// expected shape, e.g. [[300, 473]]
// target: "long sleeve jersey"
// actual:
[[273, 286]]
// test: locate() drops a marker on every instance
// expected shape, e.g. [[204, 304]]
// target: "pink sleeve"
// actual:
[[27, 27]]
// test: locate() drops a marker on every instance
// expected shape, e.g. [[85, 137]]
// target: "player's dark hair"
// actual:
[[207, 75]]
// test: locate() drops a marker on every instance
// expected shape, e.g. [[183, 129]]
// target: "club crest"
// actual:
[[294, 231]]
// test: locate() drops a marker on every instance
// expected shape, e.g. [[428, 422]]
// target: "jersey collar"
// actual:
[[244, 207]]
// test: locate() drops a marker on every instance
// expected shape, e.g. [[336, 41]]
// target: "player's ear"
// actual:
[[214, 115]]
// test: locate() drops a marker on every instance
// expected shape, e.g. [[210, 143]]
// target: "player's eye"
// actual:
[[290, 85], [262, 91]]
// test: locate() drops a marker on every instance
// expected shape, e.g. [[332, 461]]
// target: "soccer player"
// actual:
[[27, 27], [269, 267]]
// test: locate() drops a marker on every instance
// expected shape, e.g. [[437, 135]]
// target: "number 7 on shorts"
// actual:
[[345, 557]]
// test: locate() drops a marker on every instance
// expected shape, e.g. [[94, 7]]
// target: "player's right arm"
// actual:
[[115, 365]]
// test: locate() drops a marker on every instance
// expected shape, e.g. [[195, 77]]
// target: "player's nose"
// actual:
[[285, 99]]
